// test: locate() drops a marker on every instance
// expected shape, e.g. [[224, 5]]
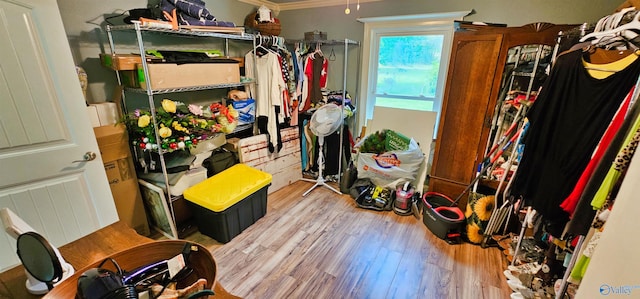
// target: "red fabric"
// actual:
[[324, 73], [308, 71], [570, 203]]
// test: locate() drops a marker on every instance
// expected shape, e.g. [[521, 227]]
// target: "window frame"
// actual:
[[376, 27]]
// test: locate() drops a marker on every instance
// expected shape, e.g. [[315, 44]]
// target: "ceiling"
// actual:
[[280, 5]]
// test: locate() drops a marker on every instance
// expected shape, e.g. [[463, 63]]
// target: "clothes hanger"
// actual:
[[632, 25], [281, 43], [260, 50], [603, 56], [611, 21], [312, 55], [318, 51], [611, 42]]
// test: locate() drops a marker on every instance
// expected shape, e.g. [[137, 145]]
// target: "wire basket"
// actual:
[[270, 28]]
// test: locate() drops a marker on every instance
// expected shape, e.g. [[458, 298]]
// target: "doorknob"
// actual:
[[88, 156]]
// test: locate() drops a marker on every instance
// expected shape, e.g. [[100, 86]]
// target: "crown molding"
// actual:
[[303, 4], [455, 15], [319, 3], [273, 6]]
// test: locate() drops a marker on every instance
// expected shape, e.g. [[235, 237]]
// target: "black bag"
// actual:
[[349, 176], [220, 159]]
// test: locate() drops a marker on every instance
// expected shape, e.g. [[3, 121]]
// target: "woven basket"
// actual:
[[263, 28]]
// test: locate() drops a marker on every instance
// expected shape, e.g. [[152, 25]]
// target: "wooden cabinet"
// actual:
[[471, 93]]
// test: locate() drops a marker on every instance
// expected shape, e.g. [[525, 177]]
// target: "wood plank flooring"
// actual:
[[324, 246]]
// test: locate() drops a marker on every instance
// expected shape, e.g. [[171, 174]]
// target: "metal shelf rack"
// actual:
[[138, 29]]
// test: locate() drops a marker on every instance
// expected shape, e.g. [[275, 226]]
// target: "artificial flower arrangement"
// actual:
[[180, 126]]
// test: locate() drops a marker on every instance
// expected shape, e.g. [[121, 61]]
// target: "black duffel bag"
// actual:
[[220, 159]]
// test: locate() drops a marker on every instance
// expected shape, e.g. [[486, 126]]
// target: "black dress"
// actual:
[[567, 121]]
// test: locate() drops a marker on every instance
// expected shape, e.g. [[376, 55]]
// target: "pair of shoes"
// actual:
[[310, 174], [331, 178], [508, 251], [529, 293], [516, 285], [517, 295], [530, 268], [499, 238], [526, 279], [509, 242]]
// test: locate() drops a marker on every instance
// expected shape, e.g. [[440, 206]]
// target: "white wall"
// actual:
[[615, 262]]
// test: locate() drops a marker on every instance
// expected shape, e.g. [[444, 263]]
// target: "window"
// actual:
[[405, 61], [407, 71]]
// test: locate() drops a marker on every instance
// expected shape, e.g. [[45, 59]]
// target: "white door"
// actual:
[[43, 129]]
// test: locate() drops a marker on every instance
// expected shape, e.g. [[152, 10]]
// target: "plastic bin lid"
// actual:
[[228, 187]]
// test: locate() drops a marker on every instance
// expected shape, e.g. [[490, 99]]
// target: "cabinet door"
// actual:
[[465, 111]]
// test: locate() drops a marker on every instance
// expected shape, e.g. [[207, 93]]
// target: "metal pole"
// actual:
[[152, 109], [524, 228], [572, 263]]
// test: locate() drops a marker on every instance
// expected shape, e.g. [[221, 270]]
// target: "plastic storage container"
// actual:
[[227, 203]]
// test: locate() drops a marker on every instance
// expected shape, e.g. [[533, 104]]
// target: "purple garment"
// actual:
[[193, 12], [193, 8], [187, 20]]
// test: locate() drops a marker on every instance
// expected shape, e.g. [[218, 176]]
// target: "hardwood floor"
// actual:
[[324, 246]]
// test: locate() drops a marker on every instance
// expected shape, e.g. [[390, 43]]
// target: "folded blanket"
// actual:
[[188, 20], [193, 12], [193, 8]]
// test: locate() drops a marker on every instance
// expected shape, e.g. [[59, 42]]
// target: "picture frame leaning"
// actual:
[[155, 203]]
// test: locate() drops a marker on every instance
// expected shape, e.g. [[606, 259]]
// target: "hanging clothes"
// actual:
[[268, 93], [313, 79], [567, 120], [570, 203], [301, 80], [319, 78], [619, 167], [584, 212]]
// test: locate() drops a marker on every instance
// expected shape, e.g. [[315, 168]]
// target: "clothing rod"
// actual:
[[325, 42]]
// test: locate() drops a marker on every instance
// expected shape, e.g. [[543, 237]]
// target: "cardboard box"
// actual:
[[92, 111], [170, 75], [107, 113], [240, 61], [118, 164]]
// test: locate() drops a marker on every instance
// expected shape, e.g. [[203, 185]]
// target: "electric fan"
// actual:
[[326, 120]]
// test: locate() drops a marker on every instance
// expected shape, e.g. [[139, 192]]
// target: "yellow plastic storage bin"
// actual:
[[227, 203]]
